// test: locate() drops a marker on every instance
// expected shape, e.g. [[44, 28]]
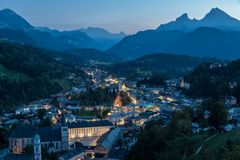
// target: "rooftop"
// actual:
[[73, 153], [83, 124], [18, 157], [46, 133]]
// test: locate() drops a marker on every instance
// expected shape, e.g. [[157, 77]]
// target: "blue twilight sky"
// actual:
[[115, 15]]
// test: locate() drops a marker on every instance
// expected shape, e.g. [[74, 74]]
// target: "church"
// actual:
[[55, 139], [37, 155]]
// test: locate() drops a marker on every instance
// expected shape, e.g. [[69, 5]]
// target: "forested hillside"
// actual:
[[28, 73], [209, 80], [168, 65]]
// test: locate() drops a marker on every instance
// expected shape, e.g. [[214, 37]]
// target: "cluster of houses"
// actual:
[[81, 137]]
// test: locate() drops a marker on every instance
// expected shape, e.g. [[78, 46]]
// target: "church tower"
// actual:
[[37, 148], [182, 83], [117, 102], [64, 133]]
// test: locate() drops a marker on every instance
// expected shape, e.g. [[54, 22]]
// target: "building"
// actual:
[[23, 136], [76, 154], [70, 118], [84, 129], [19, 157], [37, 148], [230, 101], [117, 102], [106, 142], [182, 83], [166, 113], [234, 114], [113, 88], [58, 138]]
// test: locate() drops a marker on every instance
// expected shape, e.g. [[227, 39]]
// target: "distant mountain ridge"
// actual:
[[95, 32], [203, 42], [53, 39], [216, 18], [64, 41], [103, 37], [216, 35]]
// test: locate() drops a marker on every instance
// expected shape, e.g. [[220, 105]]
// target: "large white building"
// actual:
[[59, 138]]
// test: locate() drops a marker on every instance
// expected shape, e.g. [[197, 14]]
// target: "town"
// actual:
[[68, 127], [119, 80]]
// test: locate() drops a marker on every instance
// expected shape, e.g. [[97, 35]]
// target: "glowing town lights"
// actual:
[[124, 87], [170, 99]]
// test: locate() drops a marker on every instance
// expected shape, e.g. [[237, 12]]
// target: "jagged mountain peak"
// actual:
[[217, 13], [216, 18], [183, 17]]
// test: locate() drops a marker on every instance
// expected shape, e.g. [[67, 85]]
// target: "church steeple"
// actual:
[[37, 148], [117, 102]]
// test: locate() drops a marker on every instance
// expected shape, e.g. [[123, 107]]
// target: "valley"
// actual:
[[84, 93]]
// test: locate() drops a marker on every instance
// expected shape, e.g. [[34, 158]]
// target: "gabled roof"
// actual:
[[24, 131], [46, 133], [18, 157], [111, 138], [73, 153]]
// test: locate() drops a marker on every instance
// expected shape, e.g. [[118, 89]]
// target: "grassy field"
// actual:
[[63, 83], [13, 75], [87, 113], [214, 148]]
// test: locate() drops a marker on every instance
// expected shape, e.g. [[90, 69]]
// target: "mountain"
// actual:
[[146, 42], [17, 29], [202, 42], [28, 73], [99, 33], [10, 19], [169, 65], [216, 18], [182, 23], [16, 36], [209, 42], [215, 35], [63, 40], [104, 37], [59, 41]]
